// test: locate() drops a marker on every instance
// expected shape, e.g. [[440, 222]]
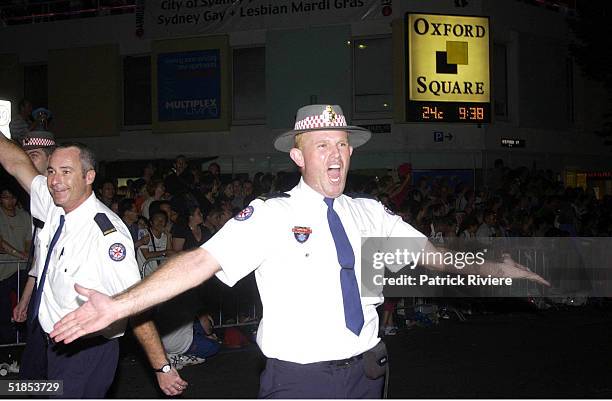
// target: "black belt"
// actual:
[[343, 362], [81, 342], [336, 363]]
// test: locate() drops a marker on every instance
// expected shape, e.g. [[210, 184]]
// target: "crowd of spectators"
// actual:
[[176, 210], [519, 202]]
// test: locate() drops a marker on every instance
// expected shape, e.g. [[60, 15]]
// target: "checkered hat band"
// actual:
[[320, 122], [40, 142]]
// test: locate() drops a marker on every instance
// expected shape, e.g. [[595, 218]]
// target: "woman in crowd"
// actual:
[[156, 191], [188, 232]]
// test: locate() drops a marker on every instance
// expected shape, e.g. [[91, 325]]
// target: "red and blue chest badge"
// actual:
[[117, 252], [244, 214], [301, 234]]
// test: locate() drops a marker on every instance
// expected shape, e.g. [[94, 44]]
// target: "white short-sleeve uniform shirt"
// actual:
[[299, 278], [103, 260]]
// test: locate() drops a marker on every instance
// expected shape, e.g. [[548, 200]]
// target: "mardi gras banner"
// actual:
[[160, 19]]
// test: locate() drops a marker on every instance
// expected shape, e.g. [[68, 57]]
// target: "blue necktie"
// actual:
[[353, 314], [43, 275]]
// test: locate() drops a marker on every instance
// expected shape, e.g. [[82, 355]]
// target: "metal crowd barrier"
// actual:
[[7, 320], [564, 268], [575, 267], [232, 306]]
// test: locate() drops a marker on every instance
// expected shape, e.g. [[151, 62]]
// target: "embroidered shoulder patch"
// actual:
[[104, 223], [117, 252], [245, 213], [272, 195], [362, 195]]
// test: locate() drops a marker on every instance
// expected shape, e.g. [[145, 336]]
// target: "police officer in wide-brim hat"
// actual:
[[320, 117], [304, 244]]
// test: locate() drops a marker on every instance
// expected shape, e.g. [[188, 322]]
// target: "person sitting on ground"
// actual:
[[387, 324], [186, 339]]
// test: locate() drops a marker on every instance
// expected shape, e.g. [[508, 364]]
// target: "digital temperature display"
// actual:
[[454, 112]]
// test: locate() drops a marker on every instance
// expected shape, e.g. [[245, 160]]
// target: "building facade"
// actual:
[[112, 82]]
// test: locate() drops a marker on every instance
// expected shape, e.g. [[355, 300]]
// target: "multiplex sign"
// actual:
[[448, 58]]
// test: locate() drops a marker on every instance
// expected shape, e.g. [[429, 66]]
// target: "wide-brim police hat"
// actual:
[[321, 117]]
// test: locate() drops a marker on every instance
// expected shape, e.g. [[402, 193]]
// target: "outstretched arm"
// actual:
[[145, 331], [180, 273], [506, 268], [17, 163]]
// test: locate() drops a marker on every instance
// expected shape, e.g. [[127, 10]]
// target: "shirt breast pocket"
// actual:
[[69, 273], [63, 287]]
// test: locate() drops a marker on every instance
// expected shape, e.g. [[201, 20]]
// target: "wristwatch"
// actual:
[[164, 369]]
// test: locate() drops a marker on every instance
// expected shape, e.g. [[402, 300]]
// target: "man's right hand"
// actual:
[[171, 383], [98, 312]]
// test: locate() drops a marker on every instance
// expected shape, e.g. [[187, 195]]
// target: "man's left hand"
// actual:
[[509, 268], [171, 383]]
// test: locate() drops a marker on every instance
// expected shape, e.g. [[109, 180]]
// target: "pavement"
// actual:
[[506, 353]]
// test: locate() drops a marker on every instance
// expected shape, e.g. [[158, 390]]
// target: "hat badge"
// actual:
[[329, 114]]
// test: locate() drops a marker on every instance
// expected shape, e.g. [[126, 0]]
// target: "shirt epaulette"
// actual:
[[104, 223], [272, 195], [38, 223], [361, 195]]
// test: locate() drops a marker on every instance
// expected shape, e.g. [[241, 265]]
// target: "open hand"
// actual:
[[512, 269], [98, 312]]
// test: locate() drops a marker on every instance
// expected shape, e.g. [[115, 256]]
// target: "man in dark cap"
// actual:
[[38, 145]]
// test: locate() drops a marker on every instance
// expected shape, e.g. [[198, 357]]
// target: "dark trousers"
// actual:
[[283, 379], [34, 357], [86, 367], [8, 331]]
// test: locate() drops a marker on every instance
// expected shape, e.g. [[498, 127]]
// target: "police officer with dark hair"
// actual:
[[81, 241]]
